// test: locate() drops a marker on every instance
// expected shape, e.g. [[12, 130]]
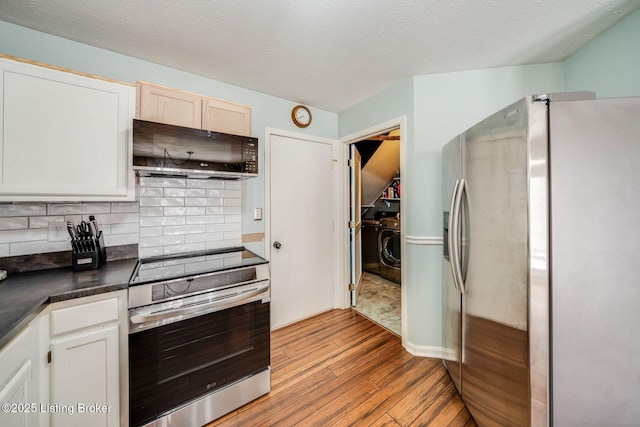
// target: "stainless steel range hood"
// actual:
[[166, 150]]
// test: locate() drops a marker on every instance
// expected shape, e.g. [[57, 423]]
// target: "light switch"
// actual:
[[257, 214]]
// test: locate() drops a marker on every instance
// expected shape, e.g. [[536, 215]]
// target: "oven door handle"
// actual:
[[203, 306]]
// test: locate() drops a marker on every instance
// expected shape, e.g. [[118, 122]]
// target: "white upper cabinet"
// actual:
[[64, 136], [175, 107]]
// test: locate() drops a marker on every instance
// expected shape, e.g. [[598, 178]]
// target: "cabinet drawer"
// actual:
[[83, 316]]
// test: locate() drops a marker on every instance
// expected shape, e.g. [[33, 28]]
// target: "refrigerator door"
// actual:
[[495, 357], [451, 298], [594, 153]]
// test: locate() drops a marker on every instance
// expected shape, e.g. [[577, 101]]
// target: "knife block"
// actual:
[[88, 254]]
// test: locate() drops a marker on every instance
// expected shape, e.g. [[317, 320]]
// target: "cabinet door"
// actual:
[[85, 377], [169, 106], [17, 384], [226, 117], [64, 136]]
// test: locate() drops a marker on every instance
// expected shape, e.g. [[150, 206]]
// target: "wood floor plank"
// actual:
[[340, 369]]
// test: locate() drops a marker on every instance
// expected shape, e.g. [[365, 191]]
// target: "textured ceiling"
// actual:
[[330, 54]]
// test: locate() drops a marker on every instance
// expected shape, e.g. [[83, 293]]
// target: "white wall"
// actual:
[[268, 111]]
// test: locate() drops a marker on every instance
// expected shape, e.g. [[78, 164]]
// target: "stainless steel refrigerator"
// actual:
[[541, 270]]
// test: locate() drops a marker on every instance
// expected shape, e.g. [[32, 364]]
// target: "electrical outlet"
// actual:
[[58, 232]]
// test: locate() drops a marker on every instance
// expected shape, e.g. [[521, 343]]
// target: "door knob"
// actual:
[[277, 245]]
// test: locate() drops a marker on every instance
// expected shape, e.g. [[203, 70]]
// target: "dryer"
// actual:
[[389, 257]]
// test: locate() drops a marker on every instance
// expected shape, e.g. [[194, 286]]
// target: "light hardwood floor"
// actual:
[[341, 369]]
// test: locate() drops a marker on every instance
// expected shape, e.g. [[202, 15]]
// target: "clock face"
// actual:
[[301, 116]]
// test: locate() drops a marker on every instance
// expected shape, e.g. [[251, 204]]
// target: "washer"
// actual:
[[389, 259], [370, 231]]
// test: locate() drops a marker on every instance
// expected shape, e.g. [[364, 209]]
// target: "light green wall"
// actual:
[[267, 111], [610, 64], [444, 106], [438, 107]]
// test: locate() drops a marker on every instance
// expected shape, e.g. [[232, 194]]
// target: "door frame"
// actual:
[[343, 219], [336, 182]]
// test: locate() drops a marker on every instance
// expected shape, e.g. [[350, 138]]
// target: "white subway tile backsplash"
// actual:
[[150, 231], [210, 219], [23, 209], [230, 235], [232, 210], [195, 192], [213, 228], [203, 201], [233, 185], [172, 215], [203, 237], [206, 183], [120, 239], [78, 208], [147, 181], [233, 218], [13, 223], [125, 207], [116, 218], [197, 210], [29, 235], [161, 201], [43, 221], [125, 228], [146, 242], [174, 211], [151, 192], [150, 252], [187, 247], [175, 192], [36, 247], [152, 211], [184, 229], [154, 221], [232, 202]]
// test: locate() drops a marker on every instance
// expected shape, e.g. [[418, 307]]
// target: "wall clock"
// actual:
[[301, 116]]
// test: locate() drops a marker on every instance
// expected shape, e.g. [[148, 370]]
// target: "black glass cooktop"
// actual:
[[176, 266]]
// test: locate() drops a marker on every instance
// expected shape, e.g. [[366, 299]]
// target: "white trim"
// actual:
[[337, 201], [423, 350], [424, 240], [343, 218]]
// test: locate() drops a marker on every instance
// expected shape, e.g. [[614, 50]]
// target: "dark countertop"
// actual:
[[24, 295]]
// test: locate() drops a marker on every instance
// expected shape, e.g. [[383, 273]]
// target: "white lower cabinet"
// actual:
[[18, 386], [88, 372], [85, 380]]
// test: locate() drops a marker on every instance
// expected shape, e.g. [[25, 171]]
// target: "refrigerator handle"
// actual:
[[456, 258], [453, 233]]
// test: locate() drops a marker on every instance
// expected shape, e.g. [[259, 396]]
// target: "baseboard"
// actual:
[[423, 350]]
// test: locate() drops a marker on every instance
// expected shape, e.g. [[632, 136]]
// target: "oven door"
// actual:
[[172, 364]]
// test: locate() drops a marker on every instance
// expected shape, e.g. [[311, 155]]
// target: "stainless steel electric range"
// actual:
[[199, 336]]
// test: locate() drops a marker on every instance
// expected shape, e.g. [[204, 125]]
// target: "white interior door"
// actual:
[[355, 219], [301, 223]]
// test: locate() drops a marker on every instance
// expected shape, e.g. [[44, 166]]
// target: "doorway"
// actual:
[[375, 186]]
